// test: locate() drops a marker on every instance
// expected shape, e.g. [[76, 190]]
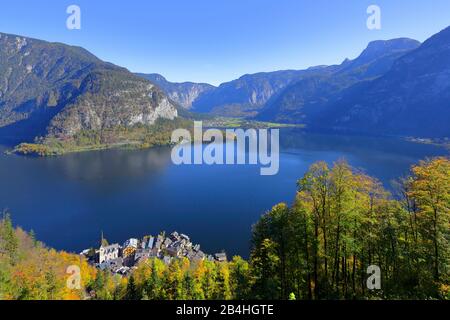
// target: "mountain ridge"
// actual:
[[252, 94], [57, 90], [49, 88], [183, 93], [299, 101], [412, 98]]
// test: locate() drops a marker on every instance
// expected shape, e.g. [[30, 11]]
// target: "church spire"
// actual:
[[104, 242]]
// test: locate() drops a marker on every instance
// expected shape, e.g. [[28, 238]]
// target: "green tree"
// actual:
[[132, 292], [240, 278], [8, 239]]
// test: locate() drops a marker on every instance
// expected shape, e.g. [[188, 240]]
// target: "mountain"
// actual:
[[412, 98], [248, 94], [52, 89], [304, 99], [395, 87], [252, 94], [185, 94], [379, 56]]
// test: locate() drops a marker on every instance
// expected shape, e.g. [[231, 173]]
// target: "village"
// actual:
[[122, 259]]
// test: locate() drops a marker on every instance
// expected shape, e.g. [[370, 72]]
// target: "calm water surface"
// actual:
[[69, 200]]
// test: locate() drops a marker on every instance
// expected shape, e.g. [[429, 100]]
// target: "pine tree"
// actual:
[[8, 239], [132, 292]]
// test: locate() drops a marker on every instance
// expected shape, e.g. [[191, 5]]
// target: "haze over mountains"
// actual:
[[412, 98], [395, 87], [308, 96], [252, 94]]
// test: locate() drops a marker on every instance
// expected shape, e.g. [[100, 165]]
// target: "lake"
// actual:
[[69, 200]]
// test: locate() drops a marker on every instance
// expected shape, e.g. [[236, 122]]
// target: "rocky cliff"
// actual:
[[59, 90], [185, 93]]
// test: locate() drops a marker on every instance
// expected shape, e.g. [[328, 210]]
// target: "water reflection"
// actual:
[[69, 200], [111, 165]]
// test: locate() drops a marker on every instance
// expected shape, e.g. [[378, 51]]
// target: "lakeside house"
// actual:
[[221, 257], [113, 265], [122, 259], [131, 243]]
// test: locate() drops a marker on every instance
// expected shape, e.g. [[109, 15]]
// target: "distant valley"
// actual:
[[394, 87], [59, 95]]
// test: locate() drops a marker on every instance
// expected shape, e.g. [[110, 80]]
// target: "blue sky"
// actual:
[[219, 40]]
